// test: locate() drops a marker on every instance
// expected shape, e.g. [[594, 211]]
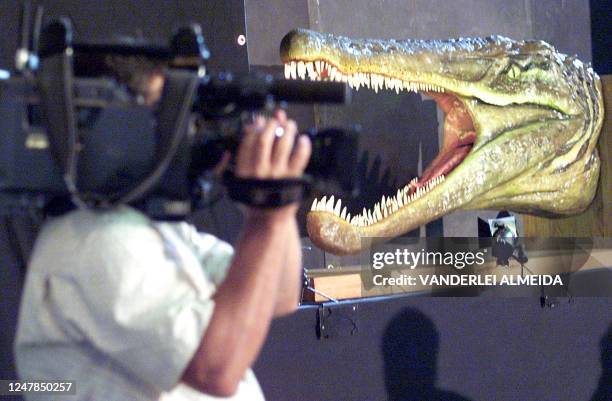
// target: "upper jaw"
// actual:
[[469, 67], [377, 64]]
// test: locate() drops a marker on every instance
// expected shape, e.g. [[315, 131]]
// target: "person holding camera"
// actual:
[[133, 309]]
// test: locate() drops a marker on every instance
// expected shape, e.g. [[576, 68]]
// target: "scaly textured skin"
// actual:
[[536, 114]]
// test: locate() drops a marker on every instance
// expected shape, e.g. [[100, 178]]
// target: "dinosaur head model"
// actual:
[[520, 130]]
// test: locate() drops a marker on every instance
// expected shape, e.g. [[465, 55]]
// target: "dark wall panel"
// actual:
[[565, 24], [601, 30], [150, 20], [444, 349], [267, 22]]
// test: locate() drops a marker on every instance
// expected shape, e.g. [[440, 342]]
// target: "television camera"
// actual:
[[76, 131]]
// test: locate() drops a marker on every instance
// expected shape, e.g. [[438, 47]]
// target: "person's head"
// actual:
[[142, 76]]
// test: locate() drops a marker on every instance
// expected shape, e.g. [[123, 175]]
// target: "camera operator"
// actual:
[[132, 309]]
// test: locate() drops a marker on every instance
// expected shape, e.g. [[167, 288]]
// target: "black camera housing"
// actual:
[[82, 137]]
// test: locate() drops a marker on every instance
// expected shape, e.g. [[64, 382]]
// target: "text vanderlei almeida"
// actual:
[[402, 259]]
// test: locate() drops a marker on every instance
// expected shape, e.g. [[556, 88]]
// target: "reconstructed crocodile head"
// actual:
[[520, 130]]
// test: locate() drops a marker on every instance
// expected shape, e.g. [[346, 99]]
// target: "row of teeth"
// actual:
[[381, 210], [315, 70]]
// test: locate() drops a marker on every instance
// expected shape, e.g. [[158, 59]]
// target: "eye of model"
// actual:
[[514, 71]]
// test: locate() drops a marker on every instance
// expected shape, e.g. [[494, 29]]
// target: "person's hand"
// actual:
[[267, 152]]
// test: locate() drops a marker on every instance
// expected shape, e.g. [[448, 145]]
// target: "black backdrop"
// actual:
[[444, 349]]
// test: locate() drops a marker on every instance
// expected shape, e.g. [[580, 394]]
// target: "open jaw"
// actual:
[[339, 230], [520, 128]]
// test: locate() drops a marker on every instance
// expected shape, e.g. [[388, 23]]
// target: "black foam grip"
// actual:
[[267, 193]]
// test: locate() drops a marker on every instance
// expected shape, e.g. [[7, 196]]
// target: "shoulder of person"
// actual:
[[95, 229]]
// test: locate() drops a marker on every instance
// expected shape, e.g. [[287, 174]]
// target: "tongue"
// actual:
[[459, 135], [445, 163]]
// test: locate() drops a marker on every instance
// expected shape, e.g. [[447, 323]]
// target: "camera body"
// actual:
[[72, 134]]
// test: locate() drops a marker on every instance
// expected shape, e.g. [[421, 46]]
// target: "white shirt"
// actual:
[[119, 304]]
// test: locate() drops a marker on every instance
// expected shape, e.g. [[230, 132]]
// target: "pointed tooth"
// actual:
[[323, 204], [343, 213], [405, 198], [287, 71], [332, 74], [301, 69], [330, 204], [293, 70], [314, 205], [348, 217], [338, 207], [318, 66]]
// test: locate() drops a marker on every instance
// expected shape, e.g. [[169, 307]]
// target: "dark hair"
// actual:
[[134, 71]]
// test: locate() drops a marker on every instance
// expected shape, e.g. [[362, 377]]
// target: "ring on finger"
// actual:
[[279, 131]]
